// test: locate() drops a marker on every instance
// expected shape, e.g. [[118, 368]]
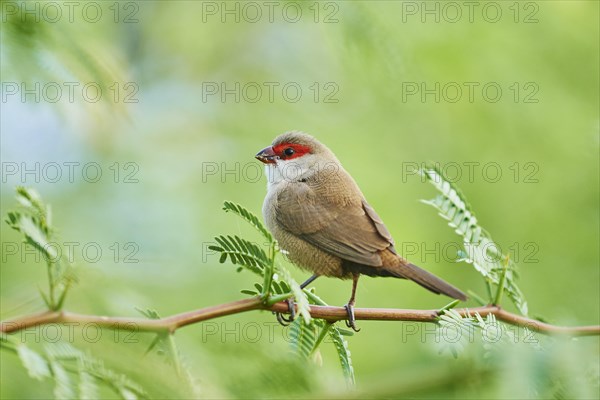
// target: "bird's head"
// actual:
[[296, 155], [294, 145]]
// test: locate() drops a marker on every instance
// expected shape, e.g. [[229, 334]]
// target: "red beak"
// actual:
[[266, 155]]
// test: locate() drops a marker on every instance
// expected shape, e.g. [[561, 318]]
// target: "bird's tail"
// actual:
[[429, 281]]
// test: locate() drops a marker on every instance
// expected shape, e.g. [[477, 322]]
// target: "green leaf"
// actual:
[[45, 299], [479, 248], [453, 332], [243, 252], [345, 332], [302, 337], [299, 296], [449, 306], [63, 386], [34, 222], [148, 313], [157, 339], [276, 287], [249, 217], [303, 330], [75, 374], [34, 234], [63, 351], [12, 218], [88, 389], [285, 288], [30, 198], [36, 366], [127, 394], [341, 346], [160, 337]]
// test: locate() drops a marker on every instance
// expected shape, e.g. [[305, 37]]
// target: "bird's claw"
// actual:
[[285, 321], [351, 322], [280, 319]]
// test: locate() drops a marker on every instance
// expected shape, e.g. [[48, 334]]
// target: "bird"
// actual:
[[323, 223]]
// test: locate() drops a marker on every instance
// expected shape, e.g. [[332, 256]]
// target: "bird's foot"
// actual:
[[351, 322], [285, 321]]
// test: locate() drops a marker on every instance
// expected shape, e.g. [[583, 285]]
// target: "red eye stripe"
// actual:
[[299, 150]]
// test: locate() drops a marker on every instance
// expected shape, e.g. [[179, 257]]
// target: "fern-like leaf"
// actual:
[[34, 222], [299, 296], [37, 367], [276, 279], [453, 332], [88, 388], [76, 374], [242, 252], [302, 337], [341, 346], [479, 248], [249, 217], [63, 385]]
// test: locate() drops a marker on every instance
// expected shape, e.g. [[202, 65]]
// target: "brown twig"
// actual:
[[174, 322]]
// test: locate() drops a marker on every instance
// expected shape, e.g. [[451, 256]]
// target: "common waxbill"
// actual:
[[322, 221]]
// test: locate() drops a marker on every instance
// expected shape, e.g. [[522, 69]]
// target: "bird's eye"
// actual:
[[289, 151]]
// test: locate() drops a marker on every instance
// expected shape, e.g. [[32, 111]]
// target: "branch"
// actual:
[[331, 314]]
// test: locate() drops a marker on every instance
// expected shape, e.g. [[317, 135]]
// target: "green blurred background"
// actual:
[[171, 151]]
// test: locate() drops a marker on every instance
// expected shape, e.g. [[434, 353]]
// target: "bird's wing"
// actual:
[[350, 230], [379, 225]]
